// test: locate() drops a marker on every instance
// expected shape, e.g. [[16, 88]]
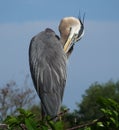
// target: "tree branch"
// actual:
[[60, 114], [3, 126], [89, 123]]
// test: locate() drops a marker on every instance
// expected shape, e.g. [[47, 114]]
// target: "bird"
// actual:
[[48, 55]]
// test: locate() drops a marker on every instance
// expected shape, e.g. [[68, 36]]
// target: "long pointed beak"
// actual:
[[70, 40], [75, 35], [67, 45]]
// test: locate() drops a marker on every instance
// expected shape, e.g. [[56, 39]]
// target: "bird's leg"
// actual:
[[42, 113]]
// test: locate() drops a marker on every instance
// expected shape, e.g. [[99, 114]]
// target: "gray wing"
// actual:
[[48, 70]]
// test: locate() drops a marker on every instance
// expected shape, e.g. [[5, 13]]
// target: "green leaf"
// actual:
[[87, 128], [113, 120], [44, 127], [59, 125], [30, 124], [100, 124]]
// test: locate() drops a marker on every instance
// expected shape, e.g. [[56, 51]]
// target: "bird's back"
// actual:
[[48, 70]]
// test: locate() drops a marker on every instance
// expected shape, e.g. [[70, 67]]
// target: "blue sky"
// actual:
[[95, 57], [34, 10]]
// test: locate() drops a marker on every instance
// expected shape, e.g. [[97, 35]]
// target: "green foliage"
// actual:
[[99, 110], [26, 120], [110, 115], [36, 109], [89, 109], [110, 110], [109, 120]]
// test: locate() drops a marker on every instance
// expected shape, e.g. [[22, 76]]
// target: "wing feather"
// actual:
[[48, 70]]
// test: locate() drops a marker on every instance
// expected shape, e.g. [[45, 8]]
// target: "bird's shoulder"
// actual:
[[47, 38]]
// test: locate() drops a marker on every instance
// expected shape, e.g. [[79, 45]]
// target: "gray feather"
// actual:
[[48, 70]]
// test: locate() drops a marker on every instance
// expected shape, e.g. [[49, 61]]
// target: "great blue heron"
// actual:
[[48, 56]]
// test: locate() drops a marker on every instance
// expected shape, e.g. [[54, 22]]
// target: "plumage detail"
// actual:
[[48, 55], [48, 69]]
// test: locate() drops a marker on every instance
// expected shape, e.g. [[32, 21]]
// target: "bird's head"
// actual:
[[71, 30]]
